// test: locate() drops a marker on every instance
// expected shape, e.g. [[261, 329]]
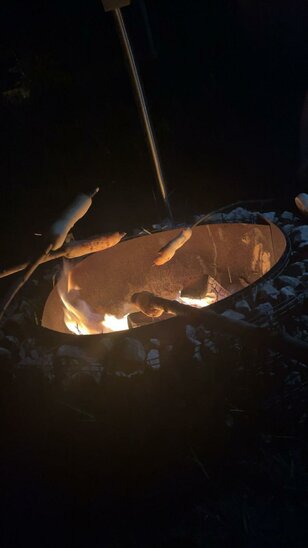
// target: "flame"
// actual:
[[78, 316], [197, 303], [115, 324]]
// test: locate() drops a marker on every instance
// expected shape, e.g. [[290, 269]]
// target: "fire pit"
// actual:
[[220, 260]]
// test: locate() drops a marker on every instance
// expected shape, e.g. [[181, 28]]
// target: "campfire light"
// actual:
[[95, 295], [78, 316], [197, 303]]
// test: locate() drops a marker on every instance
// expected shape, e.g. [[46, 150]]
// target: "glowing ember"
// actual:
[[78, 317], [112, 323], [198, 303]]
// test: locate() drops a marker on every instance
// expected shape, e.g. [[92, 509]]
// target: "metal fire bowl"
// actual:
[[235, 254]]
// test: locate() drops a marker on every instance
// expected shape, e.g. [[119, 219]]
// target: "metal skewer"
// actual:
[[115, 7]]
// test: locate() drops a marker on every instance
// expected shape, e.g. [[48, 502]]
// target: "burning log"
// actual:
[[73, 250], [251, 334]]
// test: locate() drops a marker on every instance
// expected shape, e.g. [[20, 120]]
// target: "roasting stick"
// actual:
[[73, 250], [251, 334], [55, 238], [166, 253]]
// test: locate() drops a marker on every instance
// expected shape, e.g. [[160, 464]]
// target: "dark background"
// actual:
[[225, 83]]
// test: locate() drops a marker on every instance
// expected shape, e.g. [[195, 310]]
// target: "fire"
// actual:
[[197, 303], [78, 316], [112, 323], [80, 319]]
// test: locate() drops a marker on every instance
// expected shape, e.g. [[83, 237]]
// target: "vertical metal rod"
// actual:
[[143, 107]]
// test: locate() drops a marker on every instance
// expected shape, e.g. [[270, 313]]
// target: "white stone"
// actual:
[[197, 357], [233, 315], [270, 216], [132, 350], [242, 307], [127, 357], [304, 279], [155, 342], [296, 269], [287, 229], [282, 281], [302, 249], [238, 214], [68, 351], [267, 292], [286, 216], [286, 293], [191, 334], [265, 309], [300, 234], [153, 359]]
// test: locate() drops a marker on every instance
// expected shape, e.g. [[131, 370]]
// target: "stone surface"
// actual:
[[233, 315], [300, 234], [283, 281], [286, 216], [295, 269], [286, 293], [270, 216], [128, 356], [304, 279], [265, 309], [242, 307], [238, 214], [267, 293], [12, 344], [191, 334], [287, 229], [70, 351], [155, 342], [302, 250], [153, 358]]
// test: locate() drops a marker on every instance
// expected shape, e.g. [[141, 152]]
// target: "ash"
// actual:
[[194, 439]]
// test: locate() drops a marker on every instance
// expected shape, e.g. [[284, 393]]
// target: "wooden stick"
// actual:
[[56, 236], [252, 334], [22, 280], [72, 250]]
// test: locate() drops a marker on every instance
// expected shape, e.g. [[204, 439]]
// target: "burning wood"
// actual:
[[205, 289], [154, 306]]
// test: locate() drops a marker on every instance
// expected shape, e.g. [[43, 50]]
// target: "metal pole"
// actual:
[[143, 107]]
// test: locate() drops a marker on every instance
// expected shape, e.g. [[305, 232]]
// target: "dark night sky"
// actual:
[[225, 83]]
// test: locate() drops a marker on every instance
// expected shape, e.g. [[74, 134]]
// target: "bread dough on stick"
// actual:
[[69, 217], [168, 251]]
